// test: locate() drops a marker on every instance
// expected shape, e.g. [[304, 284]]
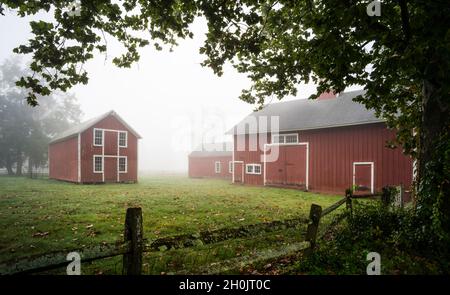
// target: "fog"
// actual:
[[168, 97]]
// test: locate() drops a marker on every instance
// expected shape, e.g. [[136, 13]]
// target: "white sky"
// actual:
[[167, 97]]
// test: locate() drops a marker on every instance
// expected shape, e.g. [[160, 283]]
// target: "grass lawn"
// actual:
[[40, 215]]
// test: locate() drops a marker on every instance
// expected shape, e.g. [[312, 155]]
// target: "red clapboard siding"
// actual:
[[63, 157], [332, 152], [200, 167]]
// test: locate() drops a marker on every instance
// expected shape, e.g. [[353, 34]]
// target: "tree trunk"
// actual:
[[9, 165], [19, 163], [30, 167], [435, 191]]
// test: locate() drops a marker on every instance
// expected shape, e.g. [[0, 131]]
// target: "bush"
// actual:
[[399, 236]]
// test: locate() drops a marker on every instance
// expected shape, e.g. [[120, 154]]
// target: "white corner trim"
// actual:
[[79, 158], [372, 175]]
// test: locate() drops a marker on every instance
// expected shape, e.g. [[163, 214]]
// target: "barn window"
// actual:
[[98, 137], [98, 164], [123, 139], [285, 138], [253, 168], [123, 164], [217, 167], [230, 167]]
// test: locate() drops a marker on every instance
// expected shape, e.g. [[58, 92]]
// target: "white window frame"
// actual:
[[93, 163], [126, 164], [217, 171], [230, 166], [284, 135], [253, 165], [372, 174], [103, 137], [126, 138]]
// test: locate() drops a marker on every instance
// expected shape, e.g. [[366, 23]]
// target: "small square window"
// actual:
[[123, 164], [123, 139], [250, 169], [253, 169], [257, 169], [98, 164]]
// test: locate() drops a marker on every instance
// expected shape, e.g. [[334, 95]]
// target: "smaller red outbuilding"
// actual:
[[211, 161], [103, 149]]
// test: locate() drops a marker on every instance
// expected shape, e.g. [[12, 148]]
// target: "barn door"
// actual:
[[110, 169], [238, 169], [290, 167], [295, 161], [363, 178]]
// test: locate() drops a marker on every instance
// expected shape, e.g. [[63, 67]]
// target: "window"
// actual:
[[123, 164], [98, 137], [253, 168], [98, 164], [217, 167], [123, 139], [285, 138], [230, 167]]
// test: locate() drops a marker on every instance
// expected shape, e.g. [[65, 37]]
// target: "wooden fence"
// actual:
[[134, 245]]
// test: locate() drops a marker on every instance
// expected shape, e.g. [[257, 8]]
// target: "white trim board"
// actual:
[[287, 144], [79, 158], [372, 174]]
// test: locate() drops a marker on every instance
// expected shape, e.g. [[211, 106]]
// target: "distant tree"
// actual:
[[401, 56], [24, 131]]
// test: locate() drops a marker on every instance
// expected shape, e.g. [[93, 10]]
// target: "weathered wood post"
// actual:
[[348, 200], [401, 194], [313, 226], [132, 261]]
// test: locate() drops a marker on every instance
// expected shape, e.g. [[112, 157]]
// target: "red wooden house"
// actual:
[[212, 162], [325, 145], [103, 149]]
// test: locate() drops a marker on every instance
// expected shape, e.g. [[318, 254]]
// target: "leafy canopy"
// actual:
[[278, 44]]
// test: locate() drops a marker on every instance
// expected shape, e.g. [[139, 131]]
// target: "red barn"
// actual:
[[324, 145], [103, 149], [215, 162]]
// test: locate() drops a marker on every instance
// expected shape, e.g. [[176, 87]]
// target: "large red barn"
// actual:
[[214, 161], [103, 149], [324, 145]]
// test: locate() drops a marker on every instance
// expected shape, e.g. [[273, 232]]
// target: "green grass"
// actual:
[[73, 216]]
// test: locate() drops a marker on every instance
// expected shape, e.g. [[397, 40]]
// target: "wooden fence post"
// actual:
[[348, 201], [132, 261], [313, 226]]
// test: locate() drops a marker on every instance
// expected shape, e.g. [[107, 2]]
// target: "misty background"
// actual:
[[167, 97]]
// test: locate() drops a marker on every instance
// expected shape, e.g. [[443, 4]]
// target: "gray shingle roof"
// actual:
[[89, 123], [219, 149], [304, 114]]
